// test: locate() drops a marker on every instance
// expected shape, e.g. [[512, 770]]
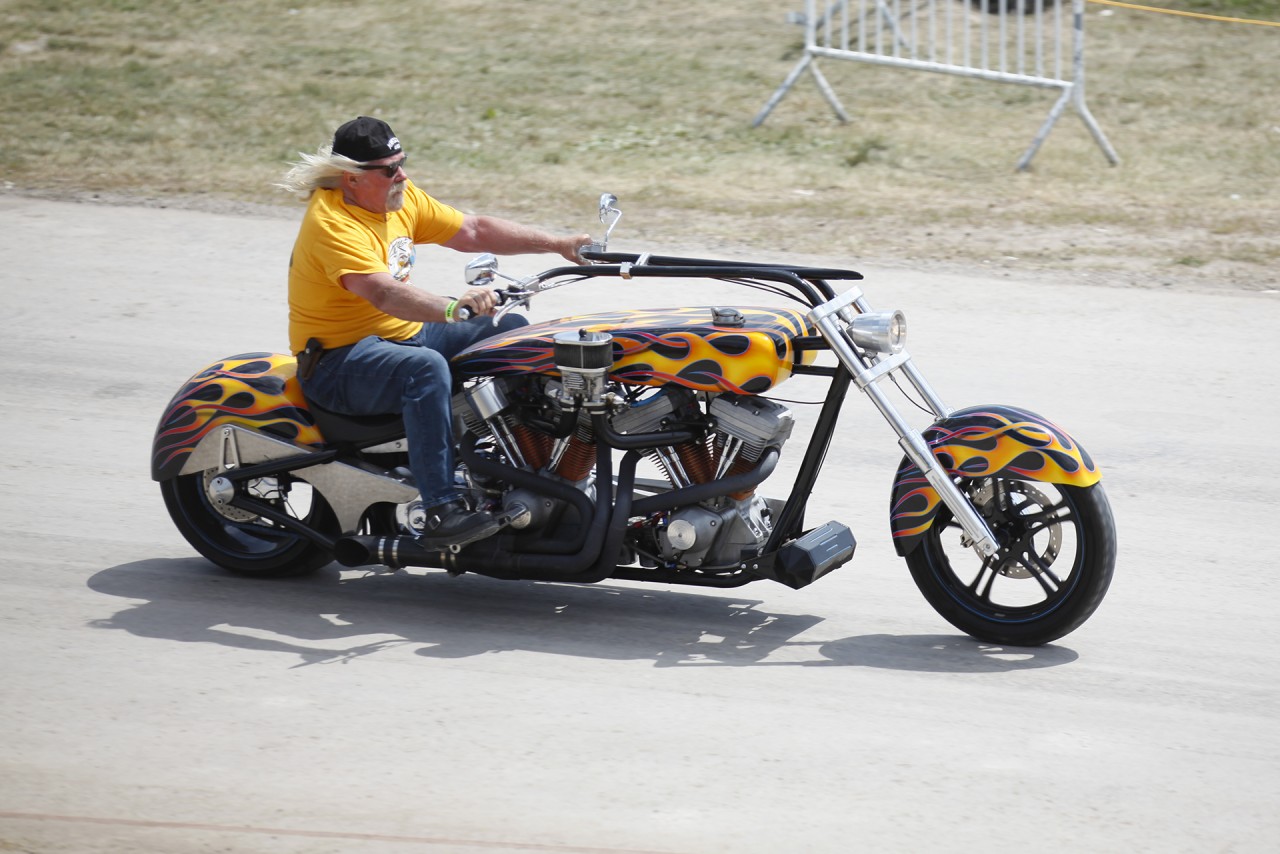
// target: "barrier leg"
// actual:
[[782, 90], [1025, 162], [828, 93], [804, 64], [1094, 128]]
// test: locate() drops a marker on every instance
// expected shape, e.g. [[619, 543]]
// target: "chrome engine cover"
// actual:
[[716, 536]]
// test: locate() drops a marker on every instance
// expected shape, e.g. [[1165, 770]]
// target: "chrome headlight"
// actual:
[[880, 331]]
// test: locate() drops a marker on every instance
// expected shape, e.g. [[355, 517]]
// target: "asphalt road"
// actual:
[[152, 703]]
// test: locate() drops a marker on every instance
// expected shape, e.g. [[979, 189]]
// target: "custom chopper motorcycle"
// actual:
[[997, 511]]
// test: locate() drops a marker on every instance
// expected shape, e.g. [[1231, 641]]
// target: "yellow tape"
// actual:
[[1187, 14]]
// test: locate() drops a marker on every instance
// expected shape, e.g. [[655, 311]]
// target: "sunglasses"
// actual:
[[388, 169]]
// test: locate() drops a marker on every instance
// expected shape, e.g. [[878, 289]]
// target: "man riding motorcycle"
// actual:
[[367, 340]]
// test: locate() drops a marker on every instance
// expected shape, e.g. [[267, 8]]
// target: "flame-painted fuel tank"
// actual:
[[658, 346]]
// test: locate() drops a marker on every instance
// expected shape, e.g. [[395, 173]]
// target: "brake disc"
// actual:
[[1020, 498]]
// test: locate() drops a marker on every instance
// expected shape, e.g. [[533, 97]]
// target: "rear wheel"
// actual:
[[245, 542], [1056, 558]]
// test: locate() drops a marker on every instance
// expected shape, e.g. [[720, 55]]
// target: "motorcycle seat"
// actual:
[[360, 430]]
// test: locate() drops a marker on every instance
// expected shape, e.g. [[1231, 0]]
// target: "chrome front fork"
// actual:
[[832, 319]]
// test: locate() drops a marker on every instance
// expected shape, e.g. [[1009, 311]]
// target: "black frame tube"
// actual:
[[791, 521]]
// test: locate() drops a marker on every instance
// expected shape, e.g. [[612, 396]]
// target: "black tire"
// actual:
[[243, 543], [1026, 7], [1038, 587]]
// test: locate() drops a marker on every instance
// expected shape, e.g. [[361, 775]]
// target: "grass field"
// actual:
[[530, 109]]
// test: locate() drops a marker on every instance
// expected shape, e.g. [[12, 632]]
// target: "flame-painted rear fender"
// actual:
[[259, 391], [983, 441]]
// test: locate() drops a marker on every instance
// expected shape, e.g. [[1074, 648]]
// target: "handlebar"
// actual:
[[810, 284], [462, 313]]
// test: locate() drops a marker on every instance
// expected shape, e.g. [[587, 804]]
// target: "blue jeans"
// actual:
[[375, 376]]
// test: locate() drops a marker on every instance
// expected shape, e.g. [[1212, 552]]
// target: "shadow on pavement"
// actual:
[[340, 616]]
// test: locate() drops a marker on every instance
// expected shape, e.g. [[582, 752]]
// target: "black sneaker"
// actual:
[[451, 526]]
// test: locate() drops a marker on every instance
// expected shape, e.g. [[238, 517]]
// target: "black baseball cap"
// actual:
[[364, 139]]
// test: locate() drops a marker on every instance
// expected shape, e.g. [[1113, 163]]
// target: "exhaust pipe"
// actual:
[[487, 557], [395, 552], [590, 563]]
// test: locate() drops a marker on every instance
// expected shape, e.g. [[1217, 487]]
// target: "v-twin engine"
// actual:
[[532, 424]]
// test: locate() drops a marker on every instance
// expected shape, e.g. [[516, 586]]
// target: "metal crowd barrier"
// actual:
[[1026, 42]]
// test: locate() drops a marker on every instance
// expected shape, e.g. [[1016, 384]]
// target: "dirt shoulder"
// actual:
[[1083, 254]]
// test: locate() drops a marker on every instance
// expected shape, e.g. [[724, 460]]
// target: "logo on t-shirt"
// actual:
[[400, 257]]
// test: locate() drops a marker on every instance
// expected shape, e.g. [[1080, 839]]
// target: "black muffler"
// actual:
[[807, 558]]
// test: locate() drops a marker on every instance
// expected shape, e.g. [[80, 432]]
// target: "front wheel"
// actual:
[[1056, 558], [245, 542]]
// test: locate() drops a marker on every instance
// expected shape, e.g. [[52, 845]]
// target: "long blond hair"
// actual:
[[322, 170]]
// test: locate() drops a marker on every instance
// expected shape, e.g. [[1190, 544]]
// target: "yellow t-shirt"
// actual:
[[336, 239]]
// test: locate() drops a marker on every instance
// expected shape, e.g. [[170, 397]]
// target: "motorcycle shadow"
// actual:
[[339, 615]]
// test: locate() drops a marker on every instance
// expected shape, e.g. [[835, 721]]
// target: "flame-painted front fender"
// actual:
[[983, 441], [255, 390]]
